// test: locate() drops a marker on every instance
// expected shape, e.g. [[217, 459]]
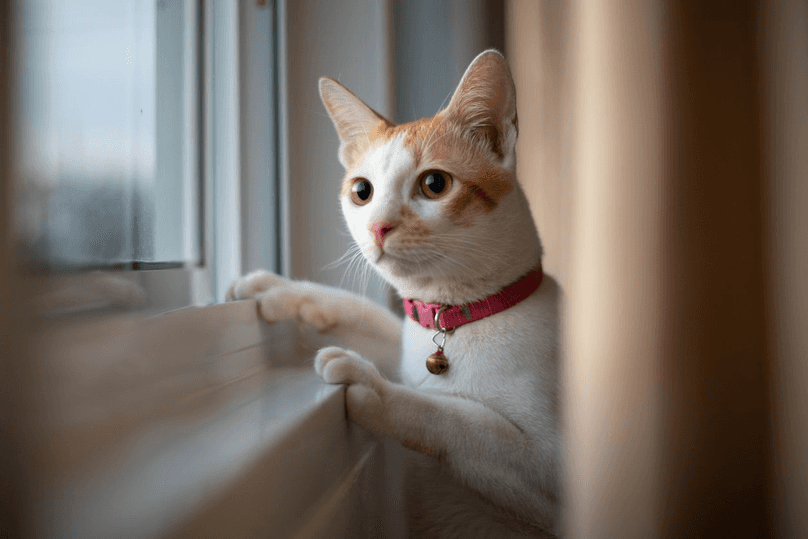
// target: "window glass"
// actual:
[[108, 121]]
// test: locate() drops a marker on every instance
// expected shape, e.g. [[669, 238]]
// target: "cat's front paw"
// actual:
[[365, 385], [296, 302], [339, 366], [282, 299], [254, 284]]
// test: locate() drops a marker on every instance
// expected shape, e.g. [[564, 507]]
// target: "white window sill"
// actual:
[[194, 424]]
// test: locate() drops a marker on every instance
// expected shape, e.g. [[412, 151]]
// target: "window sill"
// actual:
[[197, 423]]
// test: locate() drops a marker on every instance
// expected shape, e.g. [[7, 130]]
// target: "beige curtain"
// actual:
[[664, 149], [784, 85]]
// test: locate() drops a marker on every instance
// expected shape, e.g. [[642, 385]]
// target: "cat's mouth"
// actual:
[[388, 257], [395, 263], [385, 254], [382, 256]]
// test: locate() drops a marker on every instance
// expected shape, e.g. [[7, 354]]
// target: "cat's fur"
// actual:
[[485, 435]]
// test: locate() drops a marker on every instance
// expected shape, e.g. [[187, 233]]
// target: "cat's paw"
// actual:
[[364, 397], [254, 284], [339, 366], [295, 302]]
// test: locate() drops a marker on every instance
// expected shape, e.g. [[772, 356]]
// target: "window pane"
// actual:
[[108, 107]]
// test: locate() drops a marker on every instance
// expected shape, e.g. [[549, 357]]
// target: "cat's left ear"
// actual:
[[352, 118], [484, 104]]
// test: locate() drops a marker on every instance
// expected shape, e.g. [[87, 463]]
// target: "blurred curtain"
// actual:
[[784, 86], [664, 149]]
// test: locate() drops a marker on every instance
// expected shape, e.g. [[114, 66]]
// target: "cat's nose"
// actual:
[[380, 230]]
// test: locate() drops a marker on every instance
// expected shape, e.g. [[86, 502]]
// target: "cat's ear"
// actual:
[[484, 104], [352, 118]]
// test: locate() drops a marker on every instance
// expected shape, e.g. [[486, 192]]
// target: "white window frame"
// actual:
[[243, 139], [232, 150], [242, 156]]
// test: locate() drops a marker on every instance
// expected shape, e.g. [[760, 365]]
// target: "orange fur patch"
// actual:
[[417, 231], [483, 183], [479, 195], [441, 142]]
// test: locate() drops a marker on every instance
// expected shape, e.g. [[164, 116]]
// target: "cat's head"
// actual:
[[434, 204]]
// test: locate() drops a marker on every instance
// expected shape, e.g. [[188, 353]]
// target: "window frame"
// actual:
[[242, 122], [235, 139]]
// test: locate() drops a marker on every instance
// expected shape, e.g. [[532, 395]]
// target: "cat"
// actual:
[[435, 207]]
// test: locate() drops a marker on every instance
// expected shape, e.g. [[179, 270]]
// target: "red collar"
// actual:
[[457, 315]]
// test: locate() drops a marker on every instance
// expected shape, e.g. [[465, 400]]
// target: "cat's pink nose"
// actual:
[[379, 231]]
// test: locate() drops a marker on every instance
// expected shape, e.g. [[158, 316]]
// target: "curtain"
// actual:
[[663, 150]]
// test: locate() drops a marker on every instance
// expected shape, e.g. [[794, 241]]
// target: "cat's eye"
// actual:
[[435, 184], [361, 191]]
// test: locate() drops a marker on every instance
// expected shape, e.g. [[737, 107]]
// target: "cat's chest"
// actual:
[[417, 345], [486, 351]]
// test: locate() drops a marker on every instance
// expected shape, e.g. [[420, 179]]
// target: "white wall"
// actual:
[[347, 41]]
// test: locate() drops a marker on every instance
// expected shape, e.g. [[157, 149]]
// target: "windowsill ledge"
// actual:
[[251, 449]]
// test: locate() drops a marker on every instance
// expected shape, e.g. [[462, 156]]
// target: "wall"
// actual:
[[346, 41]]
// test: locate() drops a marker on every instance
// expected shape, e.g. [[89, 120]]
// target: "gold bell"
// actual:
[[436, 363]]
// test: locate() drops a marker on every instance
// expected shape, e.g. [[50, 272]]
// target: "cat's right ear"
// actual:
[[484, 104], [352, 118]]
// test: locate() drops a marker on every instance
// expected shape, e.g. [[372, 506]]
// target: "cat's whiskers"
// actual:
[[449, 262], [350, 252], [353, 265], [472, 251], [366, 273], [454, 251], [364, 280], [466, 248], [432, 258], [349, 256], [449, 240], [470, 245], [359, 273], [344, 273], [362, 272]]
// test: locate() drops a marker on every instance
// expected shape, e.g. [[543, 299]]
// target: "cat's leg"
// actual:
[[482, 448], [356, 322], [253, 284]]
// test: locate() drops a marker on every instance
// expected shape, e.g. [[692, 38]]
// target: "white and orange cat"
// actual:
[[435, 207]]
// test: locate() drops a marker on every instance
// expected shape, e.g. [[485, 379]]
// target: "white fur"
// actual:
[[485, 433], [390, 168]]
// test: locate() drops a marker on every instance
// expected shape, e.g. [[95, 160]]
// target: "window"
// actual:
[[162, 425], [110, 144], [132, 116]]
